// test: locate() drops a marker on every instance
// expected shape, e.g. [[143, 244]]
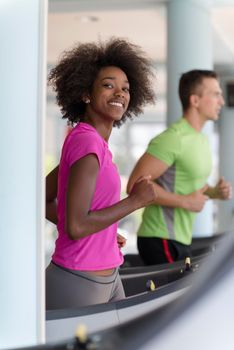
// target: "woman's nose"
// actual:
[[119, 93]]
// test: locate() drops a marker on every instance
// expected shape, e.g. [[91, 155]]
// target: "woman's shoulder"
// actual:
[[83, 140], [84, 134]]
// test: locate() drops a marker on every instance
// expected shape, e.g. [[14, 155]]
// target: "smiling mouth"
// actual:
[[117, 104]]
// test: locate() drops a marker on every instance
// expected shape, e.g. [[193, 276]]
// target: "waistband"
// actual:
[[99, 279]]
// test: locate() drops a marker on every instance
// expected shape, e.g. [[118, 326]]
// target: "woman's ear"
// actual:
[[86, 99]]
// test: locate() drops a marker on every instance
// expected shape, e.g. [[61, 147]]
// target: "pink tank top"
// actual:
[[100, 250]]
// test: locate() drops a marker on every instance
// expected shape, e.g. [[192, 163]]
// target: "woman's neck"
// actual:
[[104, 129]]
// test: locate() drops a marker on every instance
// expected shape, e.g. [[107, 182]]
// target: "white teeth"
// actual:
[[116, 104]]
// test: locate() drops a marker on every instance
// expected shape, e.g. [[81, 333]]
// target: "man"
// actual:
[[179, 161]]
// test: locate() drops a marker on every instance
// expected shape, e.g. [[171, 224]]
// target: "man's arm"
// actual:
[[150, 165]]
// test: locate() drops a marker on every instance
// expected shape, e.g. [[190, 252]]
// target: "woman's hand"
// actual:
[[144, 191], [121, 240]]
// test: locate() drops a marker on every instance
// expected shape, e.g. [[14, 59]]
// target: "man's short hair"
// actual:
[[190, 81]]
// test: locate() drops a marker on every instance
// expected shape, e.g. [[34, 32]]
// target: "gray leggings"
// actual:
[[70, 288]]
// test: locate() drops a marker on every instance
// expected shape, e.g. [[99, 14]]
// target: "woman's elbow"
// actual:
[[129, 188], [75, 231]]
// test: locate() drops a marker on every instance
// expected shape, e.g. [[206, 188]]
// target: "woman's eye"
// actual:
[[109, 86], [126, 89]]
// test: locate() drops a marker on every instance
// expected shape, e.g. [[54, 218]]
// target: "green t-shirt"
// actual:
[[187, 153]]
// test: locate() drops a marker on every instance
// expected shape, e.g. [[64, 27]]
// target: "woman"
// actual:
[[97, 87]]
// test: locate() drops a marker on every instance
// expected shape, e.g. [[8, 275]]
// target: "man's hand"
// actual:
[[222, 190], [196, 200]]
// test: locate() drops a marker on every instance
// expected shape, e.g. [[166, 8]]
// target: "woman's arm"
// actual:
[[80, 221], [51, 194]]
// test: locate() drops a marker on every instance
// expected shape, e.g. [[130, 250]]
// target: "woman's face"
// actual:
[[110, 95]]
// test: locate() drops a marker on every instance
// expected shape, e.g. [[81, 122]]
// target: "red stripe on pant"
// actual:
[[167, 251]]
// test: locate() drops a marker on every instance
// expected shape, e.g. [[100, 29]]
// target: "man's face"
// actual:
[[210, 99]]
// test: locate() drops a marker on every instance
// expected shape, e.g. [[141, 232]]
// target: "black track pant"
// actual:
[[159, 251]]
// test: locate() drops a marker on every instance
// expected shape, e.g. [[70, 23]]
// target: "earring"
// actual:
[[87, 100]]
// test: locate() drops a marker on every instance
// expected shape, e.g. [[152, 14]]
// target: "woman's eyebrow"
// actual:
[[112, 78]]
